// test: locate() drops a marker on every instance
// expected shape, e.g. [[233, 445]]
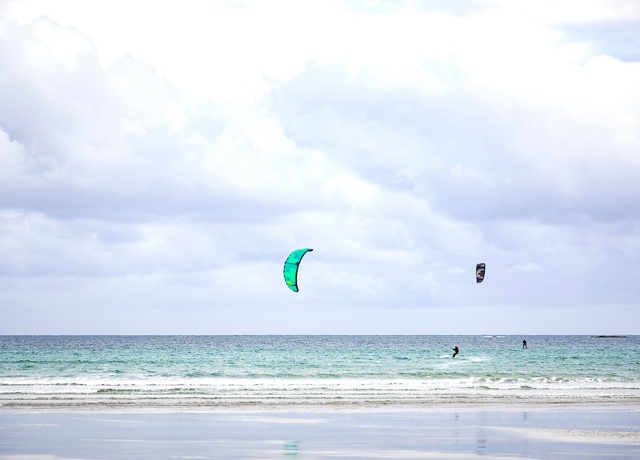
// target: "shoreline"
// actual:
[[169, 403], [439, 406]]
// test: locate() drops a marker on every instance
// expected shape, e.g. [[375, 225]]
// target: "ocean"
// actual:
[[200, 372]]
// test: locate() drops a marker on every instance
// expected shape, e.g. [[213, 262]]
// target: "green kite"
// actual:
[[291, 266]]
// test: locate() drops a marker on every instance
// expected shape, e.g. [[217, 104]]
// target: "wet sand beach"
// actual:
[[489, 432]]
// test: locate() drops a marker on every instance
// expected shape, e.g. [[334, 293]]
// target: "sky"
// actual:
[[160, 160]]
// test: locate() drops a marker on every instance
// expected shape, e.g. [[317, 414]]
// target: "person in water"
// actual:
[[524, 343], [455, 351]]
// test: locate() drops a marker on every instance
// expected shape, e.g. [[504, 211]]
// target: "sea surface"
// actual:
[[193, 372]]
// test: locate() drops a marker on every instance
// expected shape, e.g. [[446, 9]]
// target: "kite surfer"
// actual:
[[524, 343], [455, 351]]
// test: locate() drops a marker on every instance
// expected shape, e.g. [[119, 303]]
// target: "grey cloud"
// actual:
[[473, 155], [97, 142]]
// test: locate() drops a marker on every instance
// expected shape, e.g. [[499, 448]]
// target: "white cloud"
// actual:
[[173, 164]]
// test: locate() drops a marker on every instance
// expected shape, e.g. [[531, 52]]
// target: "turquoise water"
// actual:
[[206, 371]]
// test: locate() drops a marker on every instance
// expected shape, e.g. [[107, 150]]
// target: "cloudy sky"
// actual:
[[160, 160]]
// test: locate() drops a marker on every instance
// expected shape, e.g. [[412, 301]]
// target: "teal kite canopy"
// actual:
[[291, 266]]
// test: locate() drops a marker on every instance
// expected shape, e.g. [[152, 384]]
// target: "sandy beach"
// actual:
[[496, 432]]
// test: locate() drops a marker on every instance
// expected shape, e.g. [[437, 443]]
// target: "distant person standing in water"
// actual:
[[455, 351], [524, 343]]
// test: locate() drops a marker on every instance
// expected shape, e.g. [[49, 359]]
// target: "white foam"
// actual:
[[347, 392]]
